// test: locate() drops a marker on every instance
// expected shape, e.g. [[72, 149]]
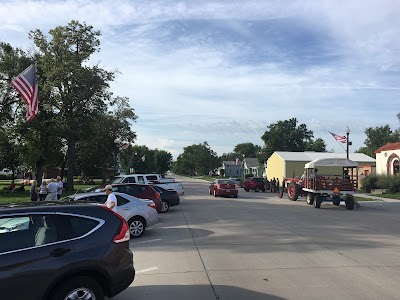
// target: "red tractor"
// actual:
[[293, 187]]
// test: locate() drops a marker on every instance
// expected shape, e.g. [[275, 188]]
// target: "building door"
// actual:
[[396, 167]]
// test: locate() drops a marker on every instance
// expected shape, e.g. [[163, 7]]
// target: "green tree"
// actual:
[[247, 149], [77, 92], [285, 136], [32, 145], [377, 137], [163, 160], [317, 146], [196, 160]]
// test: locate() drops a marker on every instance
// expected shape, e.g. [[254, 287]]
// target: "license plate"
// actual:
[[228, 191]]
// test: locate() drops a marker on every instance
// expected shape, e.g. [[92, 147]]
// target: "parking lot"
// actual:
[[259, 246]]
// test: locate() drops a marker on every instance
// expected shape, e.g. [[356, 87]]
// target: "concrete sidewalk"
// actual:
[[377, 198]]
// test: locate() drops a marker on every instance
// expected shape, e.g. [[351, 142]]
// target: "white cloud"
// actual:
[[200, 71]]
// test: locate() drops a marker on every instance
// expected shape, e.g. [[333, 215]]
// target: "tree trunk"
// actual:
[[70, 161], [39, 174]]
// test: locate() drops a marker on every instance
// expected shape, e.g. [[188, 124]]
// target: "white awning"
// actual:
[[331, 162]]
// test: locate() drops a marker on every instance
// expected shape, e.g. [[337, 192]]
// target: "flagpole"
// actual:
[[347, 142]]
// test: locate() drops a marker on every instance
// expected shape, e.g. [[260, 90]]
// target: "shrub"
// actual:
[[390, 183], [370, 182]]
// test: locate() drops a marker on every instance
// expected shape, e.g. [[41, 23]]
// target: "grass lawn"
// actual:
[[17, 196]]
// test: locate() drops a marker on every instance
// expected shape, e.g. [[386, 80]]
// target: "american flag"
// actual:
[[26, 85], [340, 138], [143, 158], [125, 146], [237, 161]]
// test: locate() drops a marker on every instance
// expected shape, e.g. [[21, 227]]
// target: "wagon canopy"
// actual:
[[331, 162]]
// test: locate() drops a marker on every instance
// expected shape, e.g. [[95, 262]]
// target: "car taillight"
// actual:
[[152, 205], [122, 235], [158, 196], [236, 186], [218, 186]]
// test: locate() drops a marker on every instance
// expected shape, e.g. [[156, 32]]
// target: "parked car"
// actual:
[[54, 251], [142, 191], [223, 187], [237, 181], [168, 198], [256, 183], [137, 212]]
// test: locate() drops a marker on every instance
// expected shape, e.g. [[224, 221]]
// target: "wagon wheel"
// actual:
[[293, 191], [310, 198], [349, 202], [317, 201]]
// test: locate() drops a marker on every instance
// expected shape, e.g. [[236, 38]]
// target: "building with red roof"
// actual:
[[388, 159]]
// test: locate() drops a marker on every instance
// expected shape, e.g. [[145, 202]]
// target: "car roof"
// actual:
[[41, 206], [129, 197]]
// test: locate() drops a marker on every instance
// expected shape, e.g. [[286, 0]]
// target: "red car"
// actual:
[[255, 183], [224, 187], [142, 191]]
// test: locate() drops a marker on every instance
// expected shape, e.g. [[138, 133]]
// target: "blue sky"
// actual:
[[222, 71]]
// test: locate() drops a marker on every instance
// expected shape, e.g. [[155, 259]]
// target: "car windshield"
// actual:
[[117, 179], [226, 182]]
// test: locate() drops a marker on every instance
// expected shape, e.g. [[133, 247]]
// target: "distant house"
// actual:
[[291, 164], [387, 159], [230, 169], [253, 166]]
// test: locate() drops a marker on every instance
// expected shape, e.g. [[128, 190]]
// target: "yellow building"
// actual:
[[291, 164]]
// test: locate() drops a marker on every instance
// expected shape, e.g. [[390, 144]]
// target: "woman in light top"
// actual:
[[43, 190]]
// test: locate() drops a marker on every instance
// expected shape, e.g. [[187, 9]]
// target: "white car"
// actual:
[[139, 213]]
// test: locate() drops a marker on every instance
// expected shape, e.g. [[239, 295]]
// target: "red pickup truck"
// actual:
[[255, 183]]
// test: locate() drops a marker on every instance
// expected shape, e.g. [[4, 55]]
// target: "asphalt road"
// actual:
[[259, 246]]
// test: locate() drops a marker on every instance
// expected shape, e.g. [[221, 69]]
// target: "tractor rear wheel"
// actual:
[[310, 198], [293, 191]]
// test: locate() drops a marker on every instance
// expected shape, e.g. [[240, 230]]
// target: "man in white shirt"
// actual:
[[52, 189], [111, 202], [60, 187]]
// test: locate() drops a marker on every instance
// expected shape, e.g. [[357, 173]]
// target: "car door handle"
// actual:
[[126, 208], [59, 252]]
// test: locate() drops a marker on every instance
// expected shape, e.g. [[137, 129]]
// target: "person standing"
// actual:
[[43, 190], [52, 189], [60, 187], [34, 191], [111, 202]]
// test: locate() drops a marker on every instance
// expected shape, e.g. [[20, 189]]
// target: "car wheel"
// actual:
[[235, 196], [215, 193], [79, 287], [136, 227], [165, 206], [246, 190]]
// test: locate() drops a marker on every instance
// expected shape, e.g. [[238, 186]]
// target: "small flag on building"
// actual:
[[143, 158], [26, 85], [340, 138]]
